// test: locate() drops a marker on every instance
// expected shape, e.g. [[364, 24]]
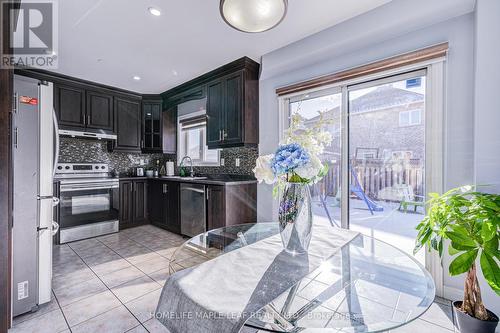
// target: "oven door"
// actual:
[[88, 202]]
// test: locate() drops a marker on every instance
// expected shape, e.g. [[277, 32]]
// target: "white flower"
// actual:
[[311, 169], [263, 170]]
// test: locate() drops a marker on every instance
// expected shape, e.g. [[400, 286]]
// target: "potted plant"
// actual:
[[470, 221]]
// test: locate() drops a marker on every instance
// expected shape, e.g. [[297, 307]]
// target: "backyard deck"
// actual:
[[391, 225]]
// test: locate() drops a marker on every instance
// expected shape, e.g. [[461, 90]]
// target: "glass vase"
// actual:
[[295, 217]]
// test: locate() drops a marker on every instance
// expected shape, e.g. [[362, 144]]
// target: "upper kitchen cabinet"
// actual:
[[232, 93], [99, 111], [69, 103], [159, 128], [128, 122], [81, 108]]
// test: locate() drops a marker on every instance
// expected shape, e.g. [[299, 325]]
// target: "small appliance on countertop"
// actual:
[[89, 201], [139, 172]]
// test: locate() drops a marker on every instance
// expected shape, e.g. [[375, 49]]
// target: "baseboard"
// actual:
[[453, 294]]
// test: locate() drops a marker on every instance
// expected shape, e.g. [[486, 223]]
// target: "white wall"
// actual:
[[385, 32], [487, 108]]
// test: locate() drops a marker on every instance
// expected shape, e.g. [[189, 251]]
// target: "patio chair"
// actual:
[[409, 199]]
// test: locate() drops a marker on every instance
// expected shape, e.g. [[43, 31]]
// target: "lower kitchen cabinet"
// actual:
[[230, 205], [133, 203], [164, 205], [216, 210]]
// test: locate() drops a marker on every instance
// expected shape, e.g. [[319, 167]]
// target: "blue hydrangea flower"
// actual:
[[289, 157]]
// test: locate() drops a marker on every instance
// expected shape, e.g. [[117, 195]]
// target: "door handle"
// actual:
[[16, 137]]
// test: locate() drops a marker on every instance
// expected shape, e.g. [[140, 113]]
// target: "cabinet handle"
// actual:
[[224, 134], [220, 135], [88, 120], [142, 143], [166, 188], [208, 194]]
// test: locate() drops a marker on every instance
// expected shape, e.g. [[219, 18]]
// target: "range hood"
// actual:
[[88, 135]]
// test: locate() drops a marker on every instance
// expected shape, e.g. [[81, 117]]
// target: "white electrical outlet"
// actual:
[[237, 162], [221, 162]]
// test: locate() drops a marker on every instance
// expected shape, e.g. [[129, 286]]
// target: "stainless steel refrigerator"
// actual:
[[34, 152]]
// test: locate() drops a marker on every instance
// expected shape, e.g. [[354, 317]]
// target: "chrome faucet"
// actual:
[[191, 173]]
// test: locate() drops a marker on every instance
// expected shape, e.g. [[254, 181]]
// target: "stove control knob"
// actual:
[[66, 167], [97, 167], [103, 167], [59, 168]]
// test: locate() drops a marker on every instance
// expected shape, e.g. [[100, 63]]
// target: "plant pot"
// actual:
[[469, 324], [295, 217]]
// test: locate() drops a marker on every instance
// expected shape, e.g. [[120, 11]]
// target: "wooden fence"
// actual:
[[375, 175]]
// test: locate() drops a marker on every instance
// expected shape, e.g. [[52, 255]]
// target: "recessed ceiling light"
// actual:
[[154, 11], [137, 78]]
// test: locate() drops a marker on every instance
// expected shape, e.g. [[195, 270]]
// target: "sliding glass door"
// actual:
[[378, 131], [326, 194], [386, 155]]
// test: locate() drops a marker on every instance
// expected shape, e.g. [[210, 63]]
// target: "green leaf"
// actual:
[[463, 262], [488, 231], [491, 247], [452, 251], [491, 271], [460, 239]]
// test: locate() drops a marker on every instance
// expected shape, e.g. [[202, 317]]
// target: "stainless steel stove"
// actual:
[[89, 200]]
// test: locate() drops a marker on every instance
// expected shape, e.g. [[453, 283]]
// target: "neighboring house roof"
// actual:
[[378, 98], [375, 100]]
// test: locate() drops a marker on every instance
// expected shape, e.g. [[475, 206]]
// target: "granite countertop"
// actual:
[[209, 180]]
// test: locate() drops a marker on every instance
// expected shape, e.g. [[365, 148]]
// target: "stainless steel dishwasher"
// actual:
[[193, 213]]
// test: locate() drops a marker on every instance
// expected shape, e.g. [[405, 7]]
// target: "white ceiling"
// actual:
[[110, 41]]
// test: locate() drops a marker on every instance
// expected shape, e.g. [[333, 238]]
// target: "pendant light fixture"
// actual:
[[253, 15]]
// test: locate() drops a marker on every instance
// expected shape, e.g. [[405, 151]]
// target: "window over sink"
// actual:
[[192, 140]]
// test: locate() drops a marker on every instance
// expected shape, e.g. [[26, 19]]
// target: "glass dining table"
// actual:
[[366, 286]]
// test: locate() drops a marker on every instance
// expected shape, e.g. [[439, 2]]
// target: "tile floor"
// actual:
[[112, 284]]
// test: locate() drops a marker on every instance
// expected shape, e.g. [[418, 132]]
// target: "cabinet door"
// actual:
[[233, 109], [155, 202], [216, 207], [169, 133], [215, 108], [128, 124], [171, 207], [140, 201], [99, 111], [69, 103], [126, 203], [151, 127]]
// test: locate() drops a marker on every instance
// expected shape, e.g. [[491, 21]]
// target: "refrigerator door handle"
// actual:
[[55, 227], [56, 134]]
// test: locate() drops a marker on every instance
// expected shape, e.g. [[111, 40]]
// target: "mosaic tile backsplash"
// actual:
[[75, 150]]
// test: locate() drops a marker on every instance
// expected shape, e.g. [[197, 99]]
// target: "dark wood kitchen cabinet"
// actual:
[[232, 110], [164, 205], [69, 104], [231, 204], [99, 111], [216, 208], [232, 102], [159, 128], [80, 109], [127, 125], [133, 203]]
